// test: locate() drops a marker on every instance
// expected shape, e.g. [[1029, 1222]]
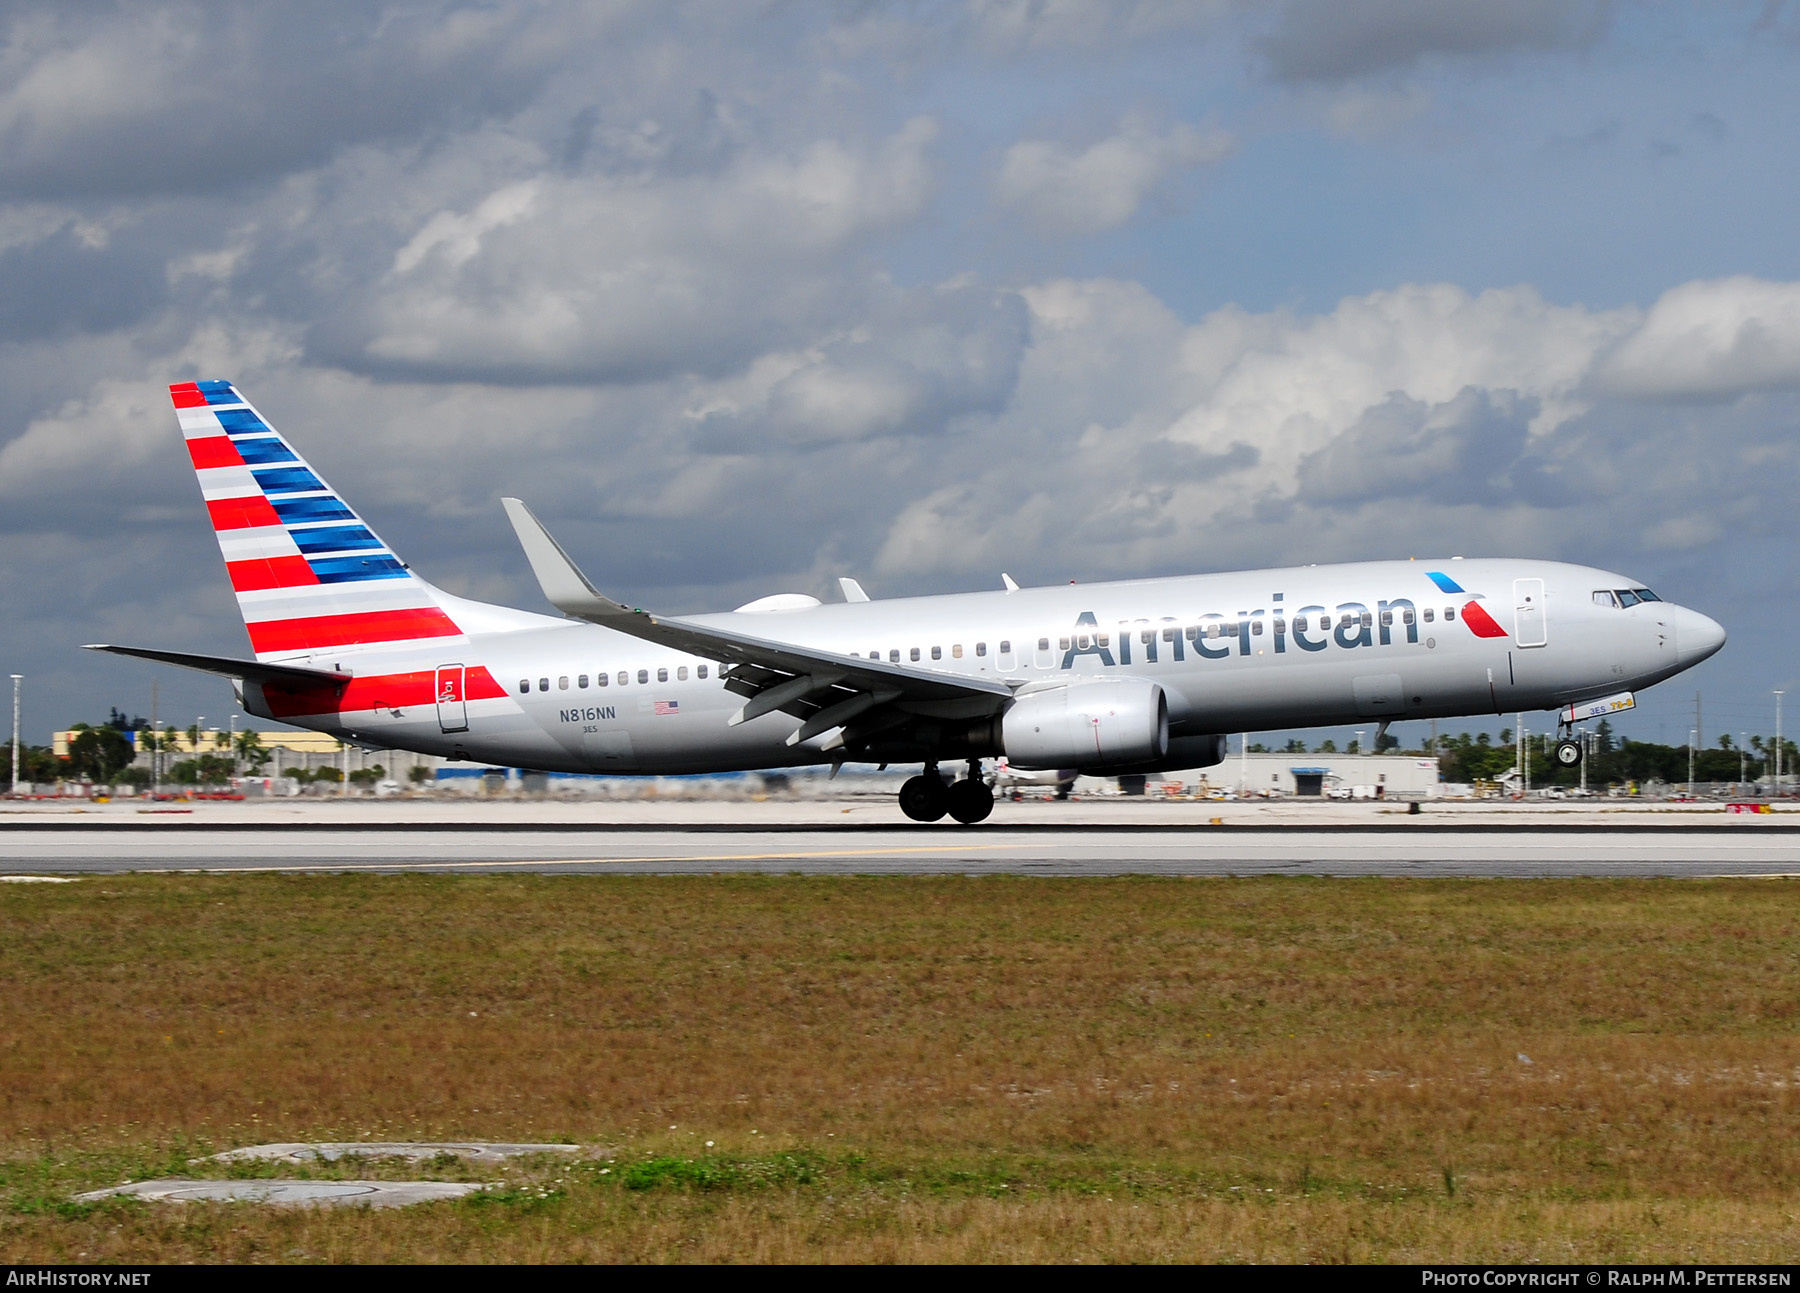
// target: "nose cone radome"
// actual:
[[1697, 636]]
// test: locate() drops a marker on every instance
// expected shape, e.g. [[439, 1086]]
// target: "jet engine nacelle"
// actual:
[[1090, 723]]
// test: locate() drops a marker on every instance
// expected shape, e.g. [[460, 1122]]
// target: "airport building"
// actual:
[[1337, 776]]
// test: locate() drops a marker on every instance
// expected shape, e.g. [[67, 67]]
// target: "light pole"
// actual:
[[1775, 786], [1693, 737], [17, 679]]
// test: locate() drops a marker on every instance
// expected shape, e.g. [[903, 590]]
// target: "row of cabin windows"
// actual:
[[1193, 633], [602, 680], [937, 652], [1367, 619], [1085, 641], [981, 649]]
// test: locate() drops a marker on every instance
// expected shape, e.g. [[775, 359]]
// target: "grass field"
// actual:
[[932, 1069]]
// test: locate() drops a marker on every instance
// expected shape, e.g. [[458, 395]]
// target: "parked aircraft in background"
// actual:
[[1139, 676]]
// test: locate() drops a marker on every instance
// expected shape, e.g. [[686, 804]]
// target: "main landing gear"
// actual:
[[925, 798]]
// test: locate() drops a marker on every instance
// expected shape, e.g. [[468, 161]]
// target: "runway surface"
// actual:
[[1399, 847]]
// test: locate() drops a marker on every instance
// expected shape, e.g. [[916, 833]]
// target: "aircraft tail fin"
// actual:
[[309, 574]]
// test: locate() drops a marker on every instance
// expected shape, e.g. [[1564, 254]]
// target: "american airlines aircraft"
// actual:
[[1139, 676]]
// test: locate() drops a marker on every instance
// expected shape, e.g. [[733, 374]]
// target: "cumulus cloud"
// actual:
[[605, 277], [737, 297], [1061, 190], [205, 96], [923, 360], [1710, 340], [1459, 451], [1336, 40]]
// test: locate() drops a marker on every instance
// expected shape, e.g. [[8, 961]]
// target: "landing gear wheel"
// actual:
[[971, 801], [1568, 754], [925, 798]]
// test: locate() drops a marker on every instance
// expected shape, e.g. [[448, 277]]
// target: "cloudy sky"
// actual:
[[743, 297]]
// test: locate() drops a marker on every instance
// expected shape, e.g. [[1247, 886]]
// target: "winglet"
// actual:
[[853, 591], [1007, 579], [566, 587]]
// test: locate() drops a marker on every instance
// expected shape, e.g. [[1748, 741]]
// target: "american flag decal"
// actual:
[[668, 707]]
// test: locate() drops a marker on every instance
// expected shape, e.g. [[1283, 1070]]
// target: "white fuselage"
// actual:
[[1228, 650]]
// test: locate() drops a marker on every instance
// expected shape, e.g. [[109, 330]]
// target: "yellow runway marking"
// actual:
[[667, 857]]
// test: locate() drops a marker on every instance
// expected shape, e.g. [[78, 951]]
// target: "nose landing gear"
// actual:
[[1568, 749], [925, 798]]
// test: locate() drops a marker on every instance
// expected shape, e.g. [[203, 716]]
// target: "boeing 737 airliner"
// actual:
[[1140, 676]]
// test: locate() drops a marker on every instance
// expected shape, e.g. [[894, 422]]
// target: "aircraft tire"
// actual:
[[971, 801], [924, 799], [1568, 754]]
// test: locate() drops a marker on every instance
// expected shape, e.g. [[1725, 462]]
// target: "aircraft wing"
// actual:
[[226, 667], [823, 689]]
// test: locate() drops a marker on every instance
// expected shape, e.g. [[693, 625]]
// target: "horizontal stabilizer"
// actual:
[[224, 666]]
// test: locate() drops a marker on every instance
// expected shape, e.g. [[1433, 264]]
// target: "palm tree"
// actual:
[[250, 749]]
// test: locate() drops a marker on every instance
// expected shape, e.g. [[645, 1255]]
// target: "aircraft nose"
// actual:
[[1697, 636]]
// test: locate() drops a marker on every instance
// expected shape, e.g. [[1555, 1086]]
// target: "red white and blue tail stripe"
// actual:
[[309, 574]]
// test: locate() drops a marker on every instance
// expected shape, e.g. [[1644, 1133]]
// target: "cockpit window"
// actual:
[[1644, 594], [1628, 598], [1604, 597]]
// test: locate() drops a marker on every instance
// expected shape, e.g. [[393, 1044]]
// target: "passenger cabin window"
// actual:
[[1168, 635], [1043, 644], [1406, 617], [524, 686], [1449, 613], [1145, 635], [1062, 644], [662, 675], [956, 652], [624, 676], [1005, 648], [543, 684], [894, 656], [1300, 623], [1430, 615], [937, 653], [1255, 628], [562, 683], [582, 682], [1104, 639], [681, 674], [643, 676], [600, 680], [1387, 618], [914, 653], [1604, 597], [700, 672], [1368, 619]]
